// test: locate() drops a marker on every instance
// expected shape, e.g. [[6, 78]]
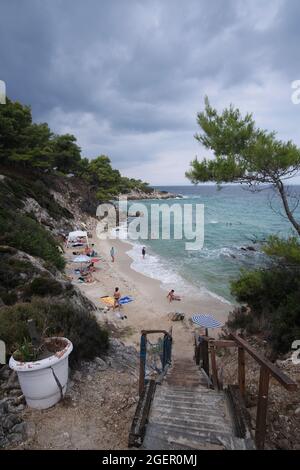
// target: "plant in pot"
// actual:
[[42, 367]]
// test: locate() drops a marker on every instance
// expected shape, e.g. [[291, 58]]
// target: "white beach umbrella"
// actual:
[[82, 259]]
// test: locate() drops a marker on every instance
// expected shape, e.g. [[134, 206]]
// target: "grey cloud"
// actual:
[[139, 69]]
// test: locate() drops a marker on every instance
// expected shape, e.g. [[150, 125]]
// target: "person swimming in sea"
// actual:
[[144, 252]]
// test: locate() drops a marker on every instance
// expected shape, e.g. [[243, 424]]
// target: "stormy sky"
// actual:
[[128, 77]]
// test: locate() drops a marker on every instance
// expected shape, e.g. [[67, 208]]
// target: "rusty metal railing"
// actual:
[[166, 353], [207, 347]]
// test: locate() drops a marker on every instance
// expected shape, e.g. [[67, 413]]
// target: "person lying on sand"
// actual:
[[86, 278], [171, 296]]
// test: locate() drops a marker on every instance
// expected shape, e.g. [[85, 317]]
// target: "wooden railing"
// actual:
[[166, 353], [208, 347]]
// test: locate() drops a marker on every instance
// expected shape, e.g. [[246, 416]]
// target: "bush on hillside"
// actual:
[[273, 295], [14, 275], [54, 319], [14, 190], [25, 234], [14, 272], [43, 286]]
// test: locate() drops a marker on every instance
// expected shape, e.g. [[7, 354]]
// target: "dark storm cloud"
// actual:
[[127, 77]]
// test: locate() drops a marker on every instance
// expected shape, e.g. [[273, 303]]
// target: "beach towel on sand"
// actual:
[[110, 301], [125, 300]]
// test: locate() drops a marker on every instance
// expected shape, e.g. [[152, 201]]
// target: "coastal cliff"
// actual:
[[34, 215]]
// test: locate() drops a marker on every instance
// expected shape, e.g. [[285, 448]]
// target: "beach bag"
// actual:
[[177, 316]]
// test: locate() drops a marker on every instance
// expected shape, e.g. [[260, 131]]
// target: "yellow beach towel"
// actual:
[[109, 301]]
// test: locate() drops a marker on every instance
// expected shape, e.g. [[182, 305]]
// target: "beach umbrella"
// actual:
[[81, 259], [206, 320]]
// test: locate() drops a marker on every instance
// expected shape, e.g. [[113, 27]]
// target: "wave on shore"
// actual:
[[154, 267]]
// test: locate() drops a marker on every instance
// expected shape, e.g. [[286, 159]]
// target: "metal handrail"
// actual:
[[167, 353]]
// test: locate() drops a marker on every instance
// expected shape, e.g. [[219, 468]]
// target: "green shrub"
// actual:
[[9, 298], [273, 295], [264, 289], [26, 352], [241, 319], [286, 323], [54, 318], [14, 272], [24, 233], [42, 286], [15, 190]]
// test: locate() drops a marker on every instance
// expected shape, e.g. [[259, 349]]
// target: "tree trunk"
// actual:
[[288, 212]]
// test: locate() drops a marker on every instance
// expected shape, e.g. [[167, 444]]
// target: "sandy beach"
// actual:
[[151, 307]]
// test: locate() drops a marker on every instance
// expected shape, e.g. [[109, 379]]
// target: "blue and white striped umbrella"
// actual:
[[206, 320]]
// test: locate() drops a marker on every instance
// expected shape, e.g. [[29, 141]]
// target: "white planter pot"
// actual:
[[44, 382]]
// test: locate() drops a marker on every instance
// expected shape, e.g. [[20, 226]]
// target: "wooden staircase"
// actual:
[[186, 414], [184, 408]]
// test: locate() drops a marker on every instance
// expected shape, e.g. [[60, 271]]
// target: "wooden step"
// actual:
[[187, 414], [195, 427], [171, 434], [214, 421]]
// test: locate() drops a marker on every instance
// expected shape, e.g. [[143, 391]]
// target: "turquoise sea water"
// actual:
[[235, 219]]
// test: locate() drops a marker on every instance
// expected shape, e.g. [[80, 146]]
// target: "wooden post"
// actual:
[[214, 367], [241, 371], [205, 357], [261, 417], [143, 351], [197, 350]]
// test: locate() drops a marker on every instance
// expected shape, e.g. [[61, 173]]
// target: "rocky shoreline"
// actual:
[[155, 194]]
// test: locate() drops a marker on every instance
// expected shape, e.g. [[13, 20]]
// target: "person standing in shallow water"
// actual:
[[144, 252], [112, 254]]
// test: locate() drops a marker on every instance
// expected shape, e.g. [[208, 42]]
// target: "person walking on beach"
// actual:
[[112, 254], [144, 252], [117, 296]]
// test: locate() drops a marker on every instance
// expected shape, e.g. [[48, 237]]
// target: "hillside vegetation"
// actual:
[[31, 146], [46, 189]]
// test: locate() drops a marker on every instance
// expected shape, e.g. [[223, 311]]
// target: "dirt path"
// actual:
[[97, 411]]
